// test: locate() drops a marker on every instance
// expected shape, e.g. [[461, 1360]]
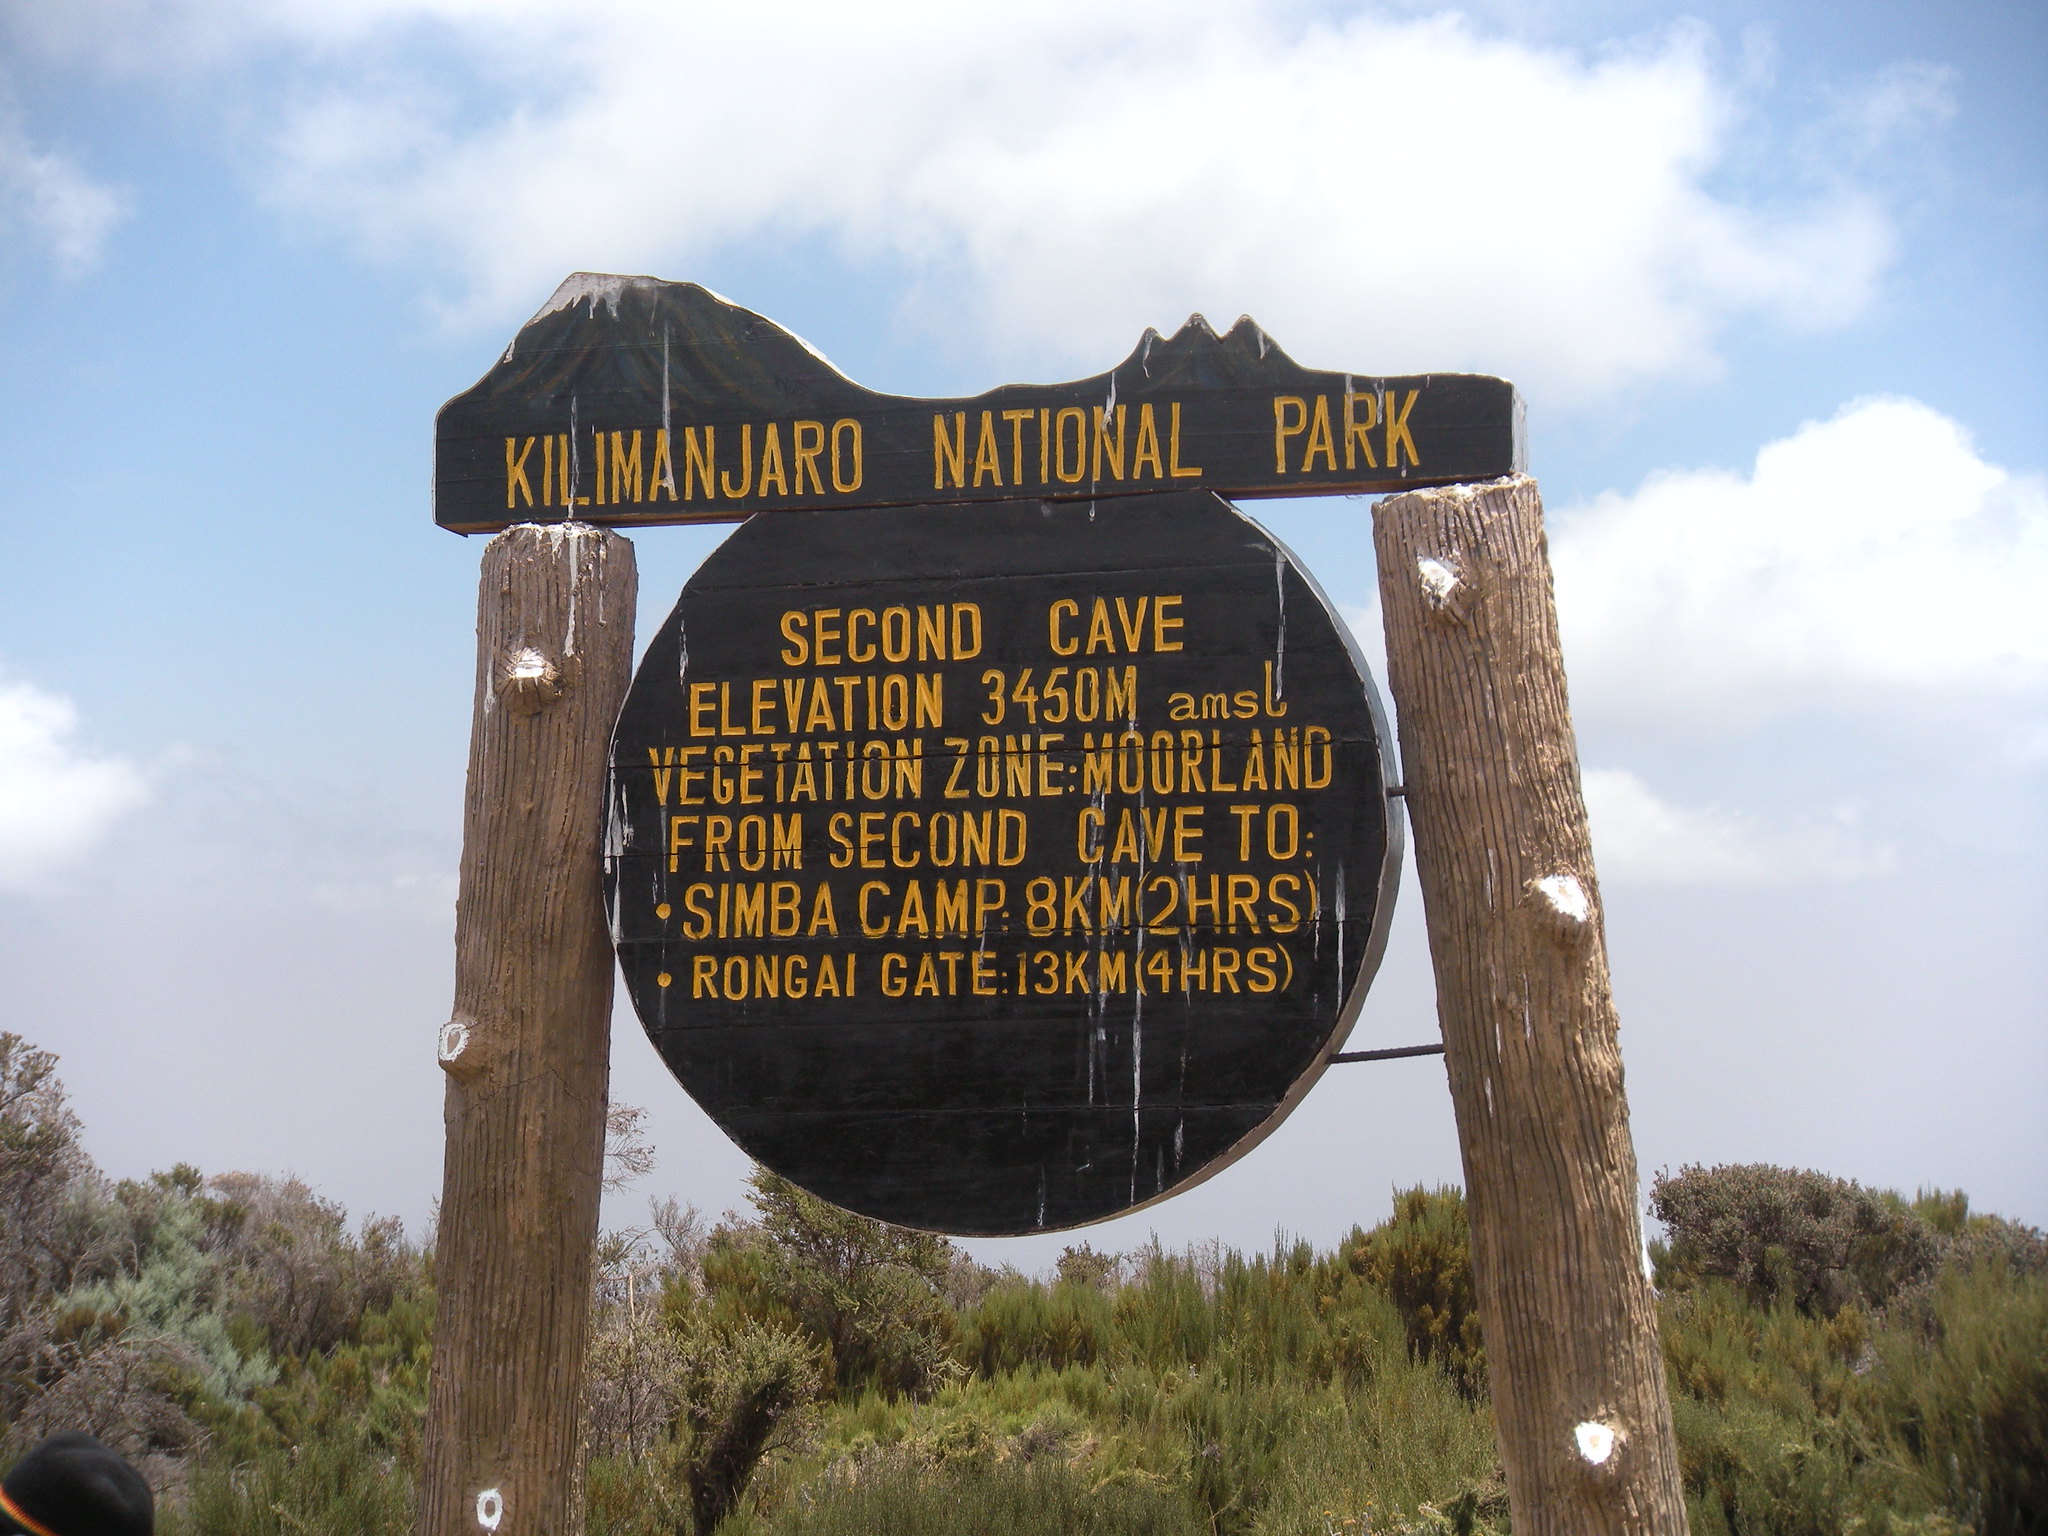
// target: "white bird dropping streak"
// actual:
[[575, 580], [1137, 1087], [1340, 926], [1280, 641]]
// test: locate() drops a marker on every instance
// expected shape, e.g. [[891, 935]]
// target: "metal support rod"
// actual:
[[1393, 1053]]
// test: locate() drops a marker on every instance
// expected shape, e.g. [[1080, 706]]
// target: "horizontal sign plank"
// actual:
[[629, 401]]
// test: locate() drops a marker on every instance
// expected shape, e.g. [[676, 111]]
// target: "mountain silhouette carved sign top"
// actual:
[[629, 401]]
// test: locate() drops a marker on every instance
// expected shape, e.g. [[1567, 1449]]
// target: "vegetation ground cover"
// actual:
[[1842, 1359]]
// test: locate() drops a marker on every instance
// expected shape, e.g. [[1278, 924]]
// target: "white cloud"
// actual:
[[56, 801], [1902, 102], [1638, 836], [68, 212], [1865, 563], [1871, 592], [1381, 190]]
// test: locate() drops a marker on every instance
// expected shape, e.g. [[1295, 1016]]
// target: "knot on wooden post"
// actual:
[[1599, 1445], [463, 1047], [529, 681], [1565, 904], [1446, 594], [490, 1509]]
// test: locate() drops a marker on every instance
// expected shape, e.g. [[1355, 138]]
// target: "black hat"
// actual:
[[71, 1485]]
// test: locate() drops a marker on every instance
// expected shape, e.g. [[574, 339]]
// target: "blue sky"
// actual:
[[1773, 278]]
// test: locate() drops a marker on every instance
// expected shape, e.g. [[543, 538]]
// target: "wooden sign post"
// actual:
[[527, 1052], [1082, 948], [1516, 934]]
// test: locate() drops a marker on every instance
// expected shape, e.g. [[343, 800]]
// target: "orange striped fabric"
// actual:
[[22, 1518]]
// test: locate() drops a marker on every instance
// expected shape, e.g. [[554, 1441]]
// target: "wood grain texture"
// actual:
[[1516, 935], [527, 1051]]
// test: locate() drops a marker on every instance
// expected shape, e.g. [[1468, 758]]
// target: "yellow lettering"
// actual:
[[1397, 431], [798, 651], [1147, 449], [1059, 433], [807, 446], [1105, 449], [856, 649], [1173, 464], [986, 462], [1016, 419], [625, 469], [843, 478], [822, 920], [746, 485], [1358, 434], [1161, 623], [949, 453], [698, 463], [1283, 406], [869, 925], [1319, 439], [1060, 645], [516, 483], [663, 476], [1088, 834], [771, 462], [966, 631]]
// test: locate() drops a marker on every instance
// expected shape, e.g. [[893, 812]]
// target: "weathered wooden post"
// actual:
[[1516, 934], [527, 1050]]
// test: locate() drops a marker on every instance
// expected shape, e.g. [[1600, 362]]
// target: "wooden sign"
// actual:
[[1000, 869], [628, 400]]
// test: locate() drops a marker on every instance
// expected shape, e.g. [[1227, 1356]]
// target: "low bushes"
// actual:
[[1841, 1360]]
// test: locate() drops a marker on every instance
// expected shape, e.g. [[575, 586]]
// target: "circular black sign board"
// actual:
[[1000, 869]]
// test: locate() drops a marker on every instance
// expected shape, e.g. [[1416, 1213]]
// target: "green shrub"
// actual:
[[745, 1388], [1789, 1234], [1422, 1257], [1409, 1453], [1236, 1435], [1958, 1397], [1840, 1360], [867, 1292], [41, 1164], [1035, 1498], [1020, 1322], [643, 1495], [1082, 1265], [1750, 1470], [337, 1485]]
